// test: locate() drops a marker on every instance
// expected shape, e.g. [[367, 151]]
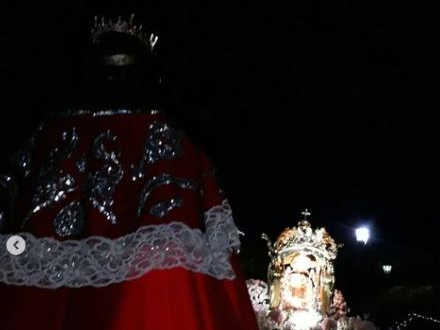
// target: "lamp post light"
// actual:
[[362, 235], [387, 269]]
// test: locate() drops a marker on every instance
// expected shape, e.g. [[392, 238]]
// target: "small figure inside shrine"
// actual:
[[299, 293]]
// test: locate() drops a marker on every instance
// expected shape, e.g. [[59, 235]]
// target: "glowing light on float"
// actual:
[[303, 320]]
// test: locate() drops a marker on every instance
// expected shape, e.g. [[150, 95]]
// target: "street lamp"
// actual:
[[387, 269], [362, 234]]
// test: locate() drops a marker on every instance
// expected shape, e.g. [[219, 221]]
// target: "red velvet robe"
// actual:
[[149, 177]]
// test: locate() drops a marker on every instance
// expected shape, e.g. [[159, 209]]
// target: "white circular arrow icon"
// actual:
[[16, 245]]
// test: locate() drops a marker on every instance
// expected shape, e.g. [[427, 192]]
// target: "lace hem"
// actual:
[[98, 261], [103, 112]]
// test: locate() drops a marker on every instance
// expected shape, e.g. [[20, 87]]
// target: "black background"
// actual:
[[321, 104]]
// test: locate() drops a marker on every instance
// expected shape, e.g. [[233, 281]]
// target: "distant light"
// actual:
[[387, 269], [362, 234]]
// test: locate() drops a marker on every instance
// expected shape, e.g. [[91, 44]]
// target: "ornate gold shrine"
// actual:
[[301, 274]]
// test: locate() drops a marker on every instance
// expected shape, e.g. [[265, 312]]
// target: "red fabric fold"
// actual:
[[160, 300]]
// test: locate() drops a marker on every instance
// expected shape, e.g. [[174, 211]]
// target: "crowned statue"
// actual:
[[124, 224], [299, 293]]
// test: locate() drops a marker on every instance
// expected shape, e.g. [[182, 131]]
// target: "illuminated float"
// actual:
[[299, 293]]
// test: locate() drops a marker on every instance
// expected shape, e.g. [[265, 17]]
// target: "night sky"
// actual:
[[327, 105]]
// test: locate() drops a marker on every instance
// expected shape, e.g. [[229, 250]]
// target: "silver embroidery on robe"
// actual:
[[53, 183], [23, 158], [163, 142], [162, 180], [104, 113], [104, 181], [9, 183], [70, 220], [3, 220], [54, 189], [81, 165], [161, 209], [5, 181]]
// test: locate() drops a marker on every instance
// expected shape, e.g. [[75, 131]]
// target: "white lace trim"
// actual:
[[259, 294], [98, 261]]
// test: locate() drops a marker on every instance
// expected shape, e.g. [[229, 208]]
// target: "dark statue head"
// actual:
[[122, 69]]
